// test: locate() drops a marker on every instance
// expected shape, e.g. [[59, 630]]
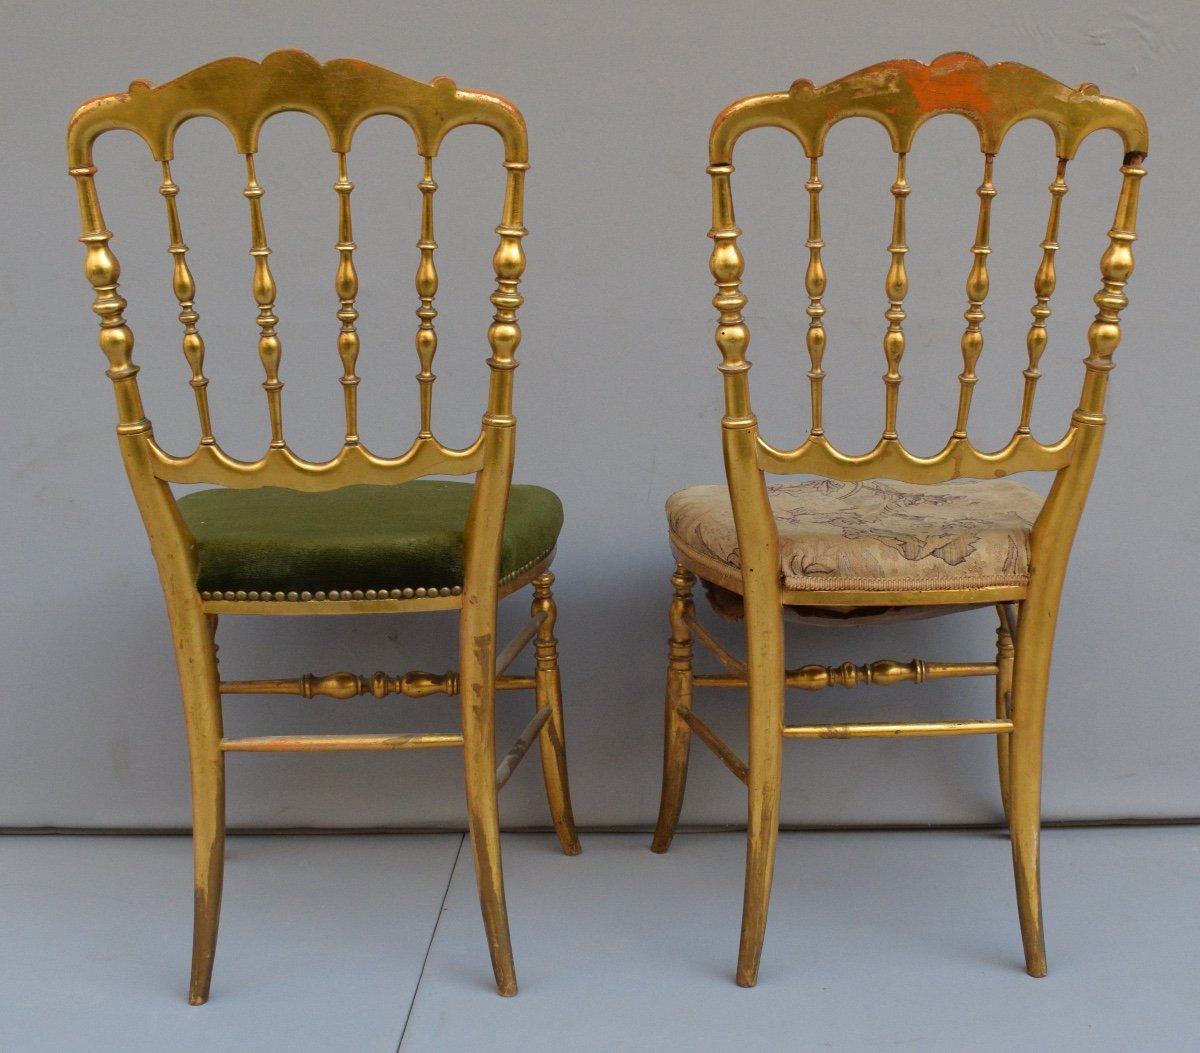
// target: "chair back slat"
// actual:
[[346, 287], [814, 285], [427, 287], [270, 348], [978, 284], [896, 288], [184, 286], [1043, 288]]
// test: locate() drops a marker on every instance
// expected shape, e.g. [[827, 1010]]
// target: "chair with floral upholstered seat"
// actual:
[[887, 533], [361, 532]]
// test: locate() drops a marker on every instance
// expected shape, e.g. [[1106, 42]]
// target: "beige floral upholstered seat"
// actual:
[[869, 536]]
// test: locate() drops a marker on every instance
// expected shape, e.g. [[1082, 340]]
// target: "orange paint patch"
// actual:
[[964, 86]]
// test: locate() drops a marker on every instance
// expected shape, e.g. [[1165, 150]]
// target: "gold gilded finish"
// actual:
[[325, 743], [427, 284], [348, 685], [900, 95], [883, 672], [242, 94], [519, 748], [185, 292], [548, 695], [346, 285], [1005, 655], [680, 683], [519, 642], [714, 742], [1043, 288], [814, 285], [896, 286], [731, 662], [914, 729], [978, 285]]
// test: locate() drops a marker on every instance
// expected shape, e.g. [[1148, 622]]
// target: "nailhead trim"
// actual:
[[359, 594], [334, 594]]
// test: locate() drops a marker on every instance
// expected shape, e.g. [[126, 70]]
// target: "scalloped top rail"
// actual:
[[341, 94], [280, 466], [902, 94], [890, 459]]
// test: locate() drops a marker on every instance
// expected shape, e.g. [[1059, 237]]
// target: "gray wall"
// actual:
[[618, 395]]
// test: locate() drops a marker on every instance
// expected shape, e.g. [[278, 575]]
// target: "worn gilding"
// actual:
[[902, 95]]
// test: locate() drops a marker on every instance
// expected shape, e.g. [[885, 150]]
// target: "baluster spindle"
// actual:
[[508, 261], [1043, 288], [269, 347], [346, 286], [727, 266], [103, 272], [896, 287], [978, 284], [814, 285], [1116, 265], [427, 287], [184, 286]]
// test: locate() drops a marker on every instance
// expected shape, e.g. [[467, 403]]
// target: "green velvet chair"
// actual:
[[360, 533]]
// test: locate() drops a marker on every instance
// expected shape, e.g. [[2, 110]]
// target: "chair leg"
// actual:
[[477, 657], [552, 740], [194, 635], [1004, 678], [677, 735], [1031, 674], [765, 669]]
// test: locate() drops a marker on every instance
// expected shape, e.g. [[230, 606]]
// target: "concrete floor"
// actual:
[[880, 940]]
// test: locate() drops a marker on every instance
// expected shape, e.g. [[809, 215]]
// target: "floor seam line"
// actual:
[[432, 936]]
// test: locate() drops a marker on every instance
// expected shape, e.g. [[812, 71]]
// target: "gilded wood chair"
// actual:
[[887, 532], [360, 533]]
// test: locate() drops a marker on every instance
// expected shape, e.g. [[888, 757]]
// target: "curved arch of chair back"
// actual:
[[341, 94], [901, 95]]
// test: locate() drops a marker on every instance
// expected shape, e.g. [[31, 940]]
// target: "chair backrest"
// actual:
[[901, 95], [340, 94]]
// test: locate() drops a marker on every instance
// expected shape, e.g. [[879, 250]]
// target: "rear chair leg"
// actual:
[[677, 735], [477, 657], [195, 647], [1031, 675], [765, 669], [551, 740]]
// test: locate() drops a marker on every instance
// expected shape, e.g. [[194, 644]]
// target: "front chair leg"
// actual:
[[1004, 680], [195, 648], [477, 655], [1035, 633], [765, 670], [552, 740], [677, 735]]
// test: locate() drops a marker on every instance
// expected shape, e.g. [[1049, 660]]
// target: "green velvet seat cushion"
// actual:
[[359, 537]]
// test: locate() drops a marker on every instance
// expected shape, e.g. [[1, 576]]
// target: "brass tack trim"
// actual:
[[361, 594]]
